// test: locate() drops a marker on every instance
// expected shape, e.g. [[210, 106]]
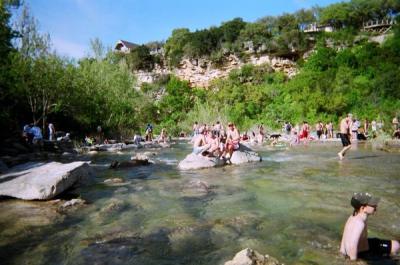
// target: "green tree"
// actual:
[[30, 42], [7, 102], [140, 58], [175, 44]]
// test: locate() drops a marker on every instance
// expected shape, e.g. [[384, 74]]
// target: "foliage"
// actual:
[[141, 59], [7, 114]]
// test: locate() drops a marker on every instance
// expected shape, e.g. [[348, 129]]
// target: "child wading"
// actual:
[[355, 242]]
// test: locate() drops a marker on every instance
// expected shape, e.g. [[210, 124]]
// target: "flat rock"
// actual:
[[244, 155], [42, 181], [248, 256], [193, 161]]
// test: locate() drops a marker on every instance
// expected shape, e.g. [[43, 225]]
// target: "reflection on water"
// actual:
[[292, 205]]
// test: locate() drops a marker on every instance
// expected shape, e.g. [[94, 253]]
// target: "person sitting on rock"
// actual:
[[232, 139], [163, 136], [200, 143], [213, 140], [222, 146]]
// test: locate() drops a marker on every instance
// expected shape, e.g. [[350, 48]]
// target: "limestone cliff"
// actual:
[[200, 72]]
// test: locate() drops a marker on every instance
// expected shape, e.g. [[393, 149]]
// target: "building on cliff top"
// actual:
[[125, 46]]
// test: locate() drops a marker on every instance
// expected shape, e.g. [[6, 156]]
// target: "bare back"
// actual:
[[199, 140], [355, 237]]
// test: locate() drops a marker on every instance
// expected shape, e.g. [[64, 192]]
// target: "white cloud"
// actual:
[[68, 48]]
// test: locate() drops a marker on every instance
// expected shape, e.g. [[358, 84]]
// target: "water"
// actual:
[[292, 206]]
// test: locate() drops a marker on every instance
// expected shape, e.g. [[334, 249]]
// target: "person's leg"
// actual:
[[230, 150], [395, 247], [343, 151]]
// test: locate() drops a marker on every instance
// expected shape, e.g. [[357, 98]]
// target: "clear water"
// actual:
[[292, 205]]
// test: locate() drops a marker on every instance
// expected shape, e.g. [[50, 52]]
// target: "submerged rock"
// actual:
[[114, 206], [71, 203], [38, 181], [193, 161], [19, 217], [113, 180], [249, 257], [196, 188], [127, 164]]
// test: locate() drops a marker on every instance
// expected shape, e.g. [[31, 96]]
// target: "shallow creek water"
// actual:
[[292, 206]]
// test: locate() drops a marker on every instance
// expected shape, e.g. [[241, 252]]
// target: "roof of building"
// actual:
[[125, 43]]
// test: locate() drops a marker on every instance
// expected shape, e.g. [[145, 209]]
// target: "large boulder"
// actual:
[[193, 161], [244, 155], [39, 181], [251, 257]]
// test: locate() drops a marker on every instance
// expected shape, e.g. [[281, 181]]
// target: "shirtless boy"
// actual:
[[200, 144], [232, 139], [345, 125], [355, 242]]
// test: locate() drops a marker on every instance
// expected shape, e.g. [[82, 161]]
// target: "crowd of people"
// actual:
[[215, 140], [32, 134]]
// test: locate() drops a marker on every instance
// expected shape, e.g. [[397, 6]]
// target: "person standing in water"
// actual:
[[345, 125], [355, 242]]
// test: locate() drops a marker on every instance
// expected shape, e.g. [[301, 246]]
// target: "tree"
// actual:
[[175, 44], [7, 103], [140, 58], [97, 48], [255, 32], [231, 29], [30, 42], [44, 84]]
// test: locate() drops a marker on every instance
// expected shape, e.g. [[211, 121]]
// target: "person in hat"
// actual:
[[355, 242]]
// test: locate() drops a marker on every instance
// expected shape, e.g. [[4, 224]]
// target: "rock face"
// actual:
[[193, 161], [42, 181], [200, 72], [251, 257], [244, 155]]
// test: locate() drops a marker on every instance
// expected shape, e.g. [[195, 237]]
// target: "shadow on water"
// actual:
[[32, 238], [364, 157], [165, 246], [382, 261]]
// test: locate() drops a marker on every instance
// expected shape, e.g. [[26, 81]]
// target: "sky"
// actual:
[[73, 23]]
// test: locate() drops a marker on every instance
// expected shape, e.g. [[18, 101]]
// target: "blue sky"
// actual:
[[72, 23]]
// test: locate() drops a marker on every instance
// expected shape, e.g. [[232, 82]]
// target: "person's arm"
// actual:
[[352, 244]]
